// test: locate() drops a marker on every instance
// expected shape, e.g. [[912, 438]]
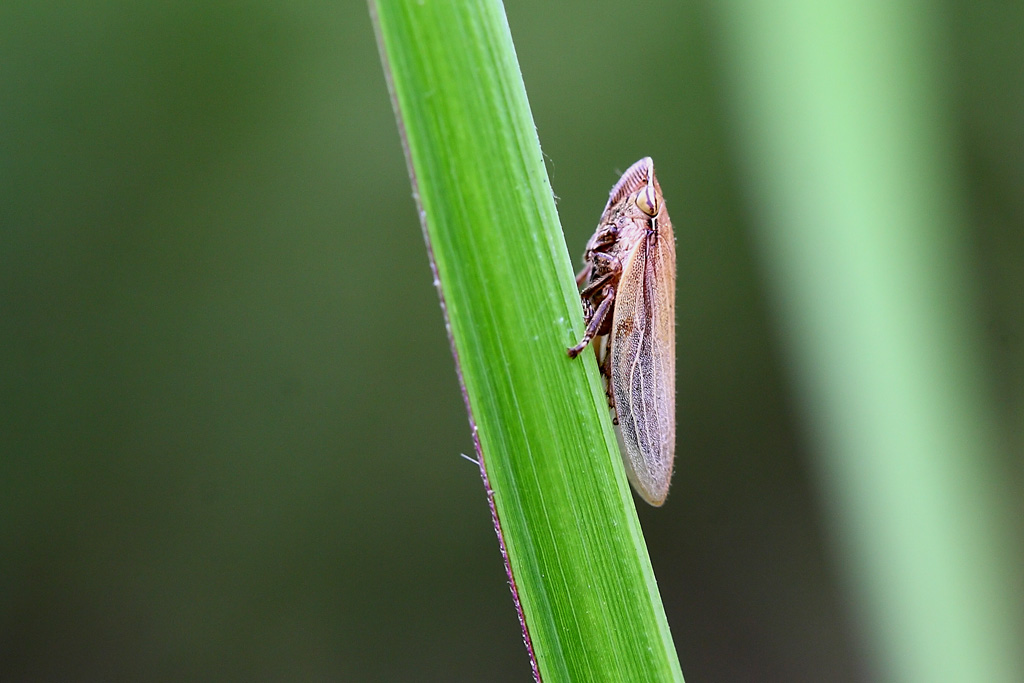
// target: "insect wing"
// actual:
[[643, 363]]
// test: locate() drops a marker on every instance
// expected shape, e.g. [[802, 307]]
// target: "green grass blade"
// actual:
[[851, 163], [575, 551]]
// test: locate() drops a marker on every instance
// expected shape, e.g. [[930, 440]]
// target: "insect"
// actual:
[[629, 302]]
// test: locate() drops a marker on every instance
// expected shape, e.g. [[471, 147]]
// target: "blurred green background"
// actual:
[[230, 426]]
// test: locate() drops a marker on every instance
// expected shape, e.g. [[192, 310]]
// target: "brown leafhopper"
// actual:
[[629, 301]]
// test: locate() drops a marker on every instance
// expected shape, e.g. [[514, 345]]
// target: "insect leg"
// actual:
[[609, 268], [602, 239], [603, 309], [606, 370], [605, 262], [605, 236], [597, 284]]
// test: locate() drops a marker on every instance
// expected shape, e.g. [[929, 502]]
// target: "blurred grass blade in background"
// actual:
[[851, 167], [575, 553]]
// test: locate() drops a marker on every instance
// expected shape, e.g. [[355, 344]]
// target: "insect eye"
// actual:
[[647, 201]]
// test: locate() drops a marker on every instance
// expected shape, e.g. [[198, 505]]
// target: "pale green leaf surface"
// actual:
[[852, 176]]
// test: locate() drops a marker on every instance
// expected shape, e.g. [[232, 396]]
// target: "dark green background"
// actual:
[[230, 425]]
